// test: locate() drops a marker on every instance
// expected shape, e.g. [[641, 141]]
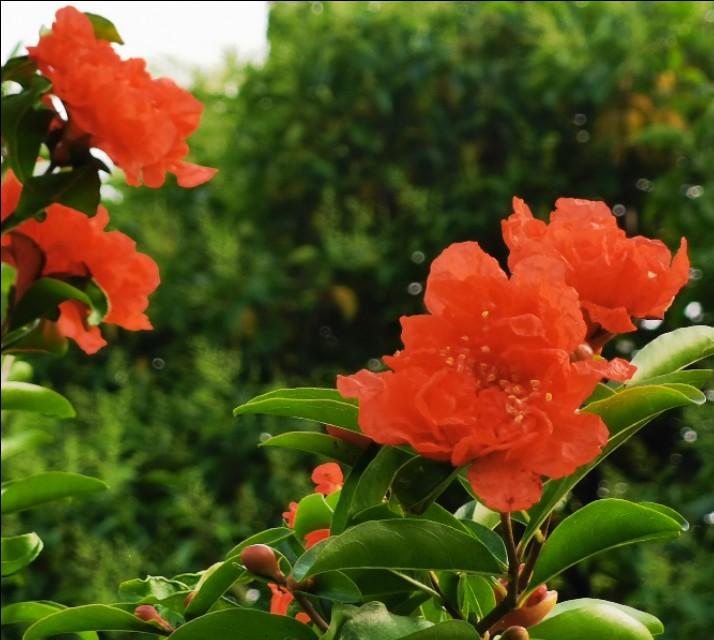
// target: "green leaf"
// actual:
[[24, 396], [312, 513], [20, 69], [598, 621], [398, 544], [103, 28], [479, 513], [343, 509], [336, 587], [373, 620], [653, 624], [377, 477], [270, 537], [90, 617], [242, 624], [319, 443], [489, 538], [624, 413], [213, 584], [24, 128], [9, 275], [43, 298], [672, 351], [152, 587], [28, 612], [78, 189], [448, 630], [601, 392], [46, 487], [320, 405], [39, 337], [597, 527], [22, 441], [475, 596], [19, 551], [694, 377], [421, 481]]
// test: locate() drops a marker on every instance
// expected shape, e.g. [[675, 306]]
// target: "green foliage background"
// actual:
[[373, 135]]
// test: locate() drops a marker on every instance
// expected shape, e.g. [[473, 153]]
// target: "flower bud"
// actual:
[[515, 633], [540, 593], [260, 559], [149, 614], [538, 606]]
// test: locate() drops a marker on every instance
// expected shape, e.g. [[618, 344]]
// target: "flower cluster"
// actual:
[[142, 123], [494, 375], [68, 245]]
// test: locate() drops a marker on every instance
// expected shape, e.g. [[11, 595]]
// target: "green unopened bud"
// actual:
[[260, 559], [515, 633]]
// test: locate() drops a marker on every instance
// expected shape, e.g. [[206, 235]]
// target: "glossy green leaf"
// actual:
[[46, 487], [343, 508], [479, 513], [601, 392], [312, 513], [307, 403], [653, 624], [320, 443], [19, 551], [672, 351], [475, 596], [597, 621], [20, 371], [22, 441], [43, 298], [398, 544], [213, 584], [29, 612], [489, 538], [78, 189], [38, 337], [90, 617], [24, 396], [597, 527], [624, 413], [421, 481], [375, 480], [336, 587], [694, 377], [270, 537], [103, 28], [243, 624]]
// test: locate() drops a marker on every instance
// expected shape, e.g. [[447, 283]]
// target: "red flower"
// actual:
[[616, 277], [280, 603], [289, 515], [70, 244], [312, 538], [328, 478], [140, 122], [486, 379]]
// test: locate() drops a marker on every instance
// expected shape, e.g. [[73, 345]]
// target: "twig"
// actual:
[[309, 608], [454, 613]]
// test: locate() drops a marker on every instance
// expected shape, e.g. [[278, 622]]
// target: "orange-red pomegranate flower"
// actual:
[[70, 244], [289, 515], [142, 123], [486, 379], [328, 478], [280, 603], [617, 278]]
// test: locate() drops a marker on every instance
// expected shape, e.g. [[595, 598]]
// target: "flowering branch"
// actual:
[[311, 611]]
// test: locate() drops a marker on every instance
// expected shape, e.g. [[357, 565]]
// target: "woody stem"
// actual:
[[510, 601], [311, 611], [533, 554]]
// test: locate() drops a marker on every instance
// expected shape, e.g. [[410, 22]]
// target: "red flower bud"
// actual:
[[515, 633], [538, 606], [149, 614], [541, 593], [260, 559]]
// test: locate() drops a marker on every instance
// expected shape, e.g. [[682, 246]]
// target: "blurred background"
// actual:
[[353, 147]]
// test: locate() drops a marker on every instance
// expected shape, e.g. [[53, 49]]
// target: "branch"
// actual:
[[309, 608]]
